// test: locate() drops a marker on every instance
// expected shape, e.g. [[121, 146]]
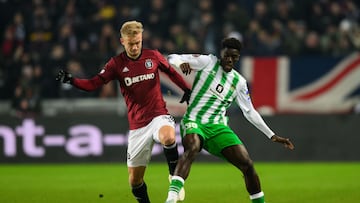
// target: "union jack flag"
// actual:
[[303, 84]]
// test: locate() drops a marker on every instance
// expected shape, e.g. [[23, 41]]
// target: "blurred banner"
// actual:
[[103, 138], [80, 138]]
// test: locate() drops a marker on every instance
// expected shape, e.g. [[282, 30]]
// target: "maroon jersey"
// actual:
[[139, 83]]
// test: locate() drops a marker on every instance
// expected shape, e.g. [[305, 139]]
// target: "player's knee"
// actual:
[[167, 135], [247, 166], [168, 140]]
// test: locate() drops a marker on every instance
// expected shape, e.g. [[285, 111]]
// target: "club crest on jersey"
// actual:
[[248, 94], [148, 63]]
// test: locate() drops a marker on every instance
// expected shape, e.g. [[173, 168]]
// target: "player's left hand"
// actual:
[[186, 96], [285, 141]]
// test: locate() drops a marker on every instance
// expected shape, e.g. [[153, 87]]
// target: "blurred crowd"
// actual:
[[39, 37]]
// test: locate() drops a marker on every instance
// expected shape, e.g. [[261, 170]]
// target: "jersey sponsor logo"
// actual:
[[139, 78], [148, 63], [125, 69], [217, 94], [219, 88]]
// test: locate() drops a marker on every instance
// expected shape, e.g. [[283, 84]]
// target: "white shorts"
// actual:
[[141, 141]]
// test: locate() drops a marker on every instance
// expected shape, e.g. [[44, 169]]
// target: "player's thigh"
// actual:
[[190, 127], [140, 144], [192, 142], [219, 137], [192, 134]]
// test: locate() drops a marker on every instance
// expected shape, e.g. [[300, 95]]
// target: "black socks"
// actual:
[[140, 193], [172, 156]]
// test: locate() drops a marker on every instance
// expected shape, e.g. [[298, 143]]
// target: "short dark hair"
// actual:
[[232, 43]]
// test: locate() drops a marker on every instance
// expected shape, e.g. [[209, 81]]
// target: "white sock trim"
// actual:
[[170, 146], [178, 178], [257, 195], [138, 186]]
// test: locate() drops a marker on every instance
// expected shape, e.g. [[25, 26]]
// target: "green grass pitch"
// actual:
[[208, 182]]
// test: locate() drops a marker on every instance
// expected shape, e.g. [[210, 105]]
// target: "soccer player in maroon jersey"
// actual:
[[137, 70]]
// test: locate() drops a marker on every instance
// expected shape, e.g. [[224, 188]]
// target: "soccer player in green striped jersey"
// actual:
[[204, 125]]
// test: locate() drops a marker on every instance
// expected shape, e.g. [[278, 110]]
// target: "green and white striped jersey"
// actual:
[[214, 90]]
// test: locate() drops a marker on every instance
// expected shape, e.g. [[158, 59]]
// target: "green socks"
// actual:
[[176, 184]]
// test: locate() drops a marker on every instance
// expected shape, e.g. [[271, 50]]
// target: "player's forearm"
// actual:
[[88, 84], [254, 118]]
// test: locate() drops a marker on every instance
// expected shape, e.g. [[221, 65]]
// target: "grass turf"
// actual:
[[215, 182]]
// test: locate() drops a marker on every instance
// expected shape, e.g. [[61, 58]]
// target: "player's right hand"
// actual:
[[285, 141], [64, 77]]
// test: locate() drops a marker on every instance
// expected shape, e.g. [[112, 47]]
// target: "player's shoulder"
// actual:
[[241, 78], [150, 52], [208, 61], [206, 57], [212, 57], [119, 58]]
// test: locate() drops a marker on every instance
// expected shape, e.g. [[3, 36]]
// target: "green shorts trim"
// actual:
[[216, 137]]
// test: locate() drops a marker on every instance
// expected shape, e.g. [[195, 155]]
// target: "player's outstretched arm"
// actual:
[[83, 84], [285, 141]]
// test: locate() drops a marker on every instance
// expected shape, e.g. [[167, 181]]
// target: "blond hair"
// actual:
[[131, 28]]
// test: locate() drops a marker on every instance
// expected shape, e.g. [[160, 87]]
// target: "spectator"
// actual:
[[26, 101], [261, 15], [236, 16], [156, 16], [68, 39], [56, 59], [312, 44], [108, 41], [293, 38]]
